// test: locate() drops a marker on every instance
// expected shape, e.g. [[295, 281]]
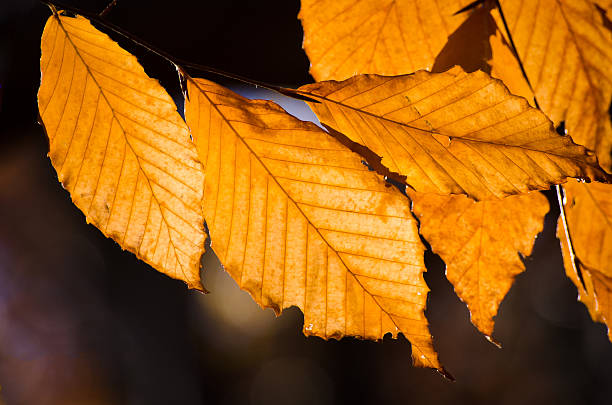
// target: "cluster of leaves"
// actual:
[[292, 212]]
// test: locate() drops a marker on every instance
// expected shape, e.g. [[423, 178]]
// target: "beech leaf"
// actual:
[[567, 54], [452, 132], [120, 148], [588, 209], [480, 243], [388, 37], [298, 220]]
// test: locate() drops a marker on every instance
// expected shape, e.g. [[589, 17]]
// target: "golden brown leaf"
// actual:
[[297, 219], [389, 37], [588, 209], [567, 53], [120, 148], [452, 132], [480, 243]]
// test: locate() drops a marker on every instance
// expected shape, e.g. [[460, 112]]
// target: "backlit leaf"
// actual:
[[588, 209], [567, 53], [298, 220], [452, 132], [480, 243], [388, 37], [120, 148]]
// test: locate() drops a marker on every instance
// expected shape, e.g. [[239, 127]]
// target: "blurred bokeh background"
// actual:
[[82, 322]]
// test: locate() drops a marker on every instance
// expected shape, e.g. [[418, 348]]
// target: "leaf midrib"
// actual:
[[89, 72], [434, 131]]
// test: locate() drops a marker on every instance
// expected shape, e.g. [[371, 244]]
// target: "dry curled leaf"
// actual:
[[588, 209], [120, 148], [567, 54], [389, 37], [298, 220], [452, 132], [480, 243]]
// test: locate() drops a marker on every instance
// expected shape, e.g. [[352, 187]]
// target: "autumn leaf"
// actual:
[[588, 209], [452, 132], [298, 220], [480, 243], [567, 54], [388, 37], [120, 148]]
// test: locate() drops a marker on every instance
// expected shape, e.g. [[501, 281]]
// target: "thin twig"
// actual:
[[107, 9], [558, 187], [179, 64]]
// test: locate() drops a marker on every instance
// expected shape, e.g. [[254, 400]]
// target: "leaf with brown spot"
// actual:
[[588, 209], [120, 148], [452, 132], [480, 243], [298, 220]]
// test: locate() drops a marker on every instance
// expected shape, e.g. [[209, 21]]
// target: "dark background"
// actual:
[[82, 322]]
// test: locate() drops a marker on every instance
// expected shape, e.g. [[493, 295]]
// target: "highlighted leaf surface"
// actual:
[[452, 132], [297, 219], [588, 209], [567, 53], [480, 243], [120, 148], [389, 37]]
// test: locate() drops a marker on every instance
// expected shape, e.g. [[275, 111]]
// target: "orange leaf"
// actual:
[[297, 219], [567, 53], [345, 37], [480, 243], [120, 148], [452, 132]]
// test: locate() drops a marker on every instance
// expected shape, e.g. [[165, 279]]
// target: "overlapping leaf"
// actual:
[[567, 54], [588, 209], [389, 37], [120, 148], [480, 243], [452, 132], [297, 219]]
